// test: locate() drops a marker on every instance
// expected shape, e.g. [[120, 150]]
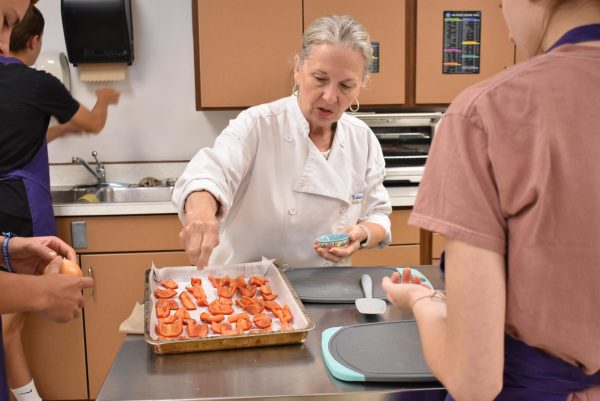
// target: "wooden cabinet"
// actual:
[[437, 246], [244, 50], [70, 361], [496, 51], [403, 250], [385, 22], [56, 356], [119, 284]]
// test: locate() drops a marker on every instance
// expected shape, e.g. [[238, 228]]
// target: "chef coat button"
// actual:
[[292, 211], [343, 210], [288, 138], [342, 144]]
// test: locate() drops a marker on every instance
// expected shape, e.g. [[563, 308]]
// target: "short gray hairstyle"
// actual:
[[335, 29]]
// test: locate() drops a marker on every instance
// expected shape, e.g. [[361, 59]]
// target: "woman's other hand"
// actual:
[[356, 234], [200, 233]]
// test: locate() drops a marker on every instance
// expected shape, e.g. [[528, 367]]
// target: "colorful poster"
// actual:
[[462, 42]]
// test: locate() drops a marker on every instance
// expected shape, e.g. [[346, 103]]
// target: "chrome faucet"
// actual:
[[99, 173]]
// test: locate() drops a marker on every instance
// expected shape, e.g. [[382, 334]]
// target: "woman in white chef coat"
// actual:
[[283, 173]]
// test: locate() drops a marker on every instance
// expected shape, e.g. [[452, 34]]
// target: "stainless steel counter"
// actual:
[[276, 373]]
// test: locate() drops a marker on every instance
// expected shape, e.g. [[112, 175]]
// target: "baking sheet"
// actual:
[[340, 284], [376, 352], [300, 324]]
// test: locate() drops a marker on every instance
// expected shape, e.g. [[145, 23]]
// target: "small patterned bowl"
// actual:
[[337, 240]]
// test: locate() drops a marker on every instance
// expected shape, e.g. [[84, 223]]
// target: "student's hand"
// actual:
[[402, 290], [31, 255], [61, 295], [107, 95]]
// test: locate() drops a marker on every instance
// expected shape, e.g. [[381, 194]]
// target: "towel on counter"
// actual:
[[134, 324]]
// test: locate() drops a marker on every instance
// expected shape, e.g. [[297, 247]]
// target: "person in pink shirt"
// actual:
[[512, 184]]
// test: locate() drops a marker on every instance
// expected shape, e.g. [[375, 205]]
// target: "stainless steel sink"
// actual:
[[110, 194]]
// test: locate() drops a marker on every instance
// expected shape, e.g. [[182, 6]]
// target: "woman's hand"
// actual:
[[403, 290], [200, 233]]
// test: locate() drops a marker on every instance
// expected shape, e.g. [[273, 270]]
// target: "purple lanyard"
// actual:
[[10, 60], [584, 33]]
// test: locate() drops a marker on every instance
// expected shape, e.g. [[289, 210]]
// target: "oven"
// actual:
[[405, 140]]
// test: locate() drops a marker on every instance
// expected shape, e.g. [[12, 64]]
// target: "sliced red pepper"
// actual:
[[164, 293], [220, 328], [170, 329], [169, 319], [238, 316], [197, 330], [183, 313], [248, 291], [241, 281], [272, 305], [170, 284], [162, 308], [227, 291], [243, 324], [197, 291], [261, 320], [196, 281], [258, 280], [186, 301], [208, 318], [219, 308], [269, 297]]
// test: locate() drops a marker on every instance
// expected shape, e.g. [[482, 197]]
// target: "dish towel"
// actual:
[[134, 324]]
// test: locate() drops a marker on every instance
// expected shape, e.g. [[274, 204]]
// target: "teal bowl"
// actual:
[[336, 240]]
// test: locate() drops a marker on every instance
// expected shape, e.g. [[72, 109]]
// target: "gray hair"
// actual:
[[335, 29]]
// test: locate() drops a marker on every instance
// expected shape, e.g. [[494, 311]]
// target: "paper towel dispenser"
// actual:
[[98, 31]]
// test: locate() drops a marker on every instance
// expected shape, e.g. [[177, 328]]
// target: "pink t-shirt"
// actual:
[[515, 168]]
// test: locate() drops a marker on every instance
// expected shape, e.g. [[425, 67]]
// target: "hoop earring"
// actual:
[[357, 107], [295, 90]]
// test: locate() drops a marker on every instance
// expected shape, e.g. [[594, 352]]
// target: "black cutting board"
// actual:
[[376, 352], [337, 284]]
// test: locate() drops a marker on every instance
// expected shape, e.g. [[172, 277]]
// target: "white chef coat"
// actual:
[[277, 192]]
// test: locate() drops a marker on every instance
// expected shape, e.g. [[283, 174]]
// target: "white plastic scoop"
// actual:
[[369, 305]]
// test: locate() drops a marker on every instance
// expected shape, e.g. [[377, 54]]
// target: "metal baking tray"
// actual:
[[301, 323]]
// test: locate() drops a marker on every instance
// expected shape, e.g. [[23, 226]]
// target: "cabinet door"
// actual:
[[244, 50], [385, 22], [119, 284], [496, 50], [393, 255], [56, 356]]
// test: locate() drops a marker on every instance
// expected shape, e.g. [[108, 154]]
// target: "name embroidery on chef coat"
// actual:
[[357, 198]]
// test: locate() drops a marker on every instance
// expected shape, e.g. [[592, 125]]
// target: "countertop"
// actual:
[[275, 373], [400, 197]]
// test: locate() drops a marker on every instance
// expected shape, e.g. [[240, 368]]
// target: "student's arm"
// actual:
[[94, 120], [463, 335]]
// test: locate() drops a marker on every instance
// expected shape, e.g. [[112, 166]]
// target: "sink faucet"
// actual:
[[99, 172]]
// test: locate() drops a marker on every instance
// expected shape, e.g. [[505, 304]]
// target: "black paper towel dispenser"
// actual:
[[98, 31]]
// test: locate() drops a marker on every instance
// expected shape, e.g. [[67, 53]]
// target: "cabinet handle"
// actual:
[[91, 275]]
